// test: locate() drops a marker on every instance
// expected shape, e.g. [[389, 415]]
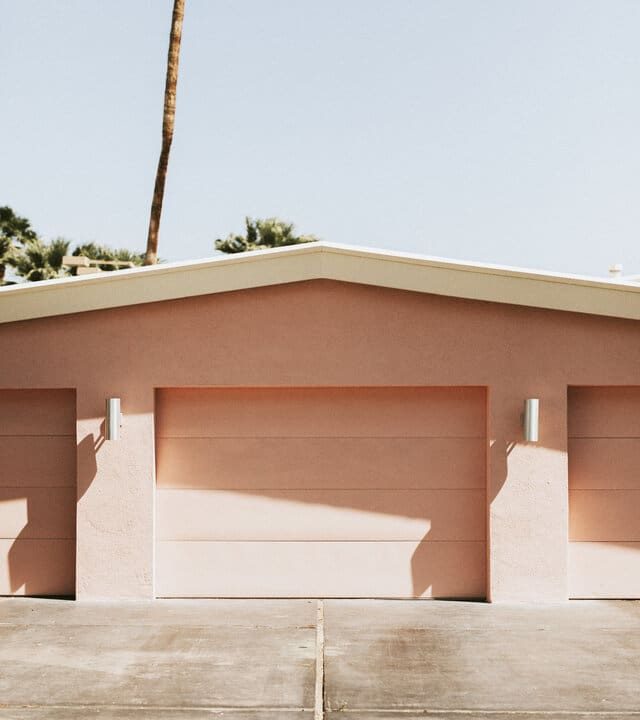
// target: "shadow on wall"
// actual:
[[38, 514], [37, 492], [88, 448], [422, 580], [40, 557], [266, 474]]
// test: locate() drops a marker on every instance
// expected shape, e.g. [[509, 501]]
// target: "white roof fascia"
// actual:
[[403, 271]]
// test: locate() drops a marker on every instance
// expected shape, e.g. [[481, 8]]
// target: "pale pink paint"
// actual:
[[37, 492], [604, 492], [324, 334], [427, 523]]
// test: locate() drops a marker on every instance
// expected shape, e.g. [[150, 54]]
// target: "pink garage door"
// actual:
[[321, 492], [604, 492], [37, 492]]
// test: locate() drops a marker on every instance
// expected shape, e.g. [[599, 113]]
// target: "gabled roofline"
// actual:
[[322, 260]]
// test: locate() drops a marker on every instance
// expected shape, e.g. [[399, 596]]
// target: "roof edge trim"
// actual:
[[402, 271]]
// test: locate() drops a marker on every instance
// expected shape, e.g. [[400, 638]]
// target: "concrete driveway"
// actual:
[[347, 660]]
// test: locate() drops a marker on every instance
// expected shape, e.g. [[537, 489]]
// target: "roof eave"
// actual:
[[382, 268]]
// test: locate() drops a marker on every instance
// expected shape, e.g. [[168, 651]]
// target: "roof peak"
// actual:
[[348, 263]]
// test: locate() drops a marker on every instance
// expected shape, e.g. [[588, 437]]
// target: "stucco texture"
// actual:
[[322, 333]]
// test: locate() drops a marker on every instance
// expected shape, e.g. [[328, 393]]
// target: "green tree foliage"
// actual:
[[15, 228], [6, 255], [15, 231], [34, 259], [262, 234], [39, 260], [93, 251]]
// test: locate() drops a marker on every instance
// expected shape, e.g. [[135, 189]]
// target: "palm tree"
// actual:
[[168, 121], [39, 260], [6, 255], [14, 232], [262, 234]]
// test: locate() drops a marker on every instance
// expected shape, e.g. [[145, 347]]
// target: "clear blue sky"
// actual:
[[503, 131]]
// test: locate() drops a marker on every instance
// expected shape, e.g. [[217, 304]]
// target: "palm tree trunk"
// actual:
[[3, 270], [168, 121]]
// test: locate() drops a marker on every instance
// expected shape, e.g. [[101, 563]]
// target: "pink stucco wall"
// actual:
[[322, 333]]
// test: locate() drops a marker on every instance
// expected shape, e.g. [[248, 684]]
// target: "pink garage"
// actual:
[[321, 421]]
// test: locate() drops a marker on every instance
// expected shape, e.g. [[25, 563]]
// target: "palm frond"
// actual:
[[260, 234]]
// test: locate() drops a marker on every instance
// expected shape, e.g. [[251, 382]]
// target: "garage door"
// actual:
[[604, 492], [37, 492], [321, 492]]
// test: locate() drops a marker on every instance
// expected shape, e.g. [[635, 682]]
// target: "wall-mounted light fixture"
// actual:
[[113, 419], [531, 419]]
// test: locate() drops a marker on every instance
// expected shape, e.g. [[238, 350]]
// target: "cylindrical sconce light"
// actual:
[[531, 419], [112, 424]]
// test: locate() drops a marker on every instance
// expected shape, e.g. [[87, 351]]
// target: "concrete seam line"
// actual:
[[318, 709]]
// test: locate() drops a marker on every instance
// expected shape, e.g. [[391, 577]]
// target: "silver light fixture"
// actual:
[[113, 419], [531, 419]]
